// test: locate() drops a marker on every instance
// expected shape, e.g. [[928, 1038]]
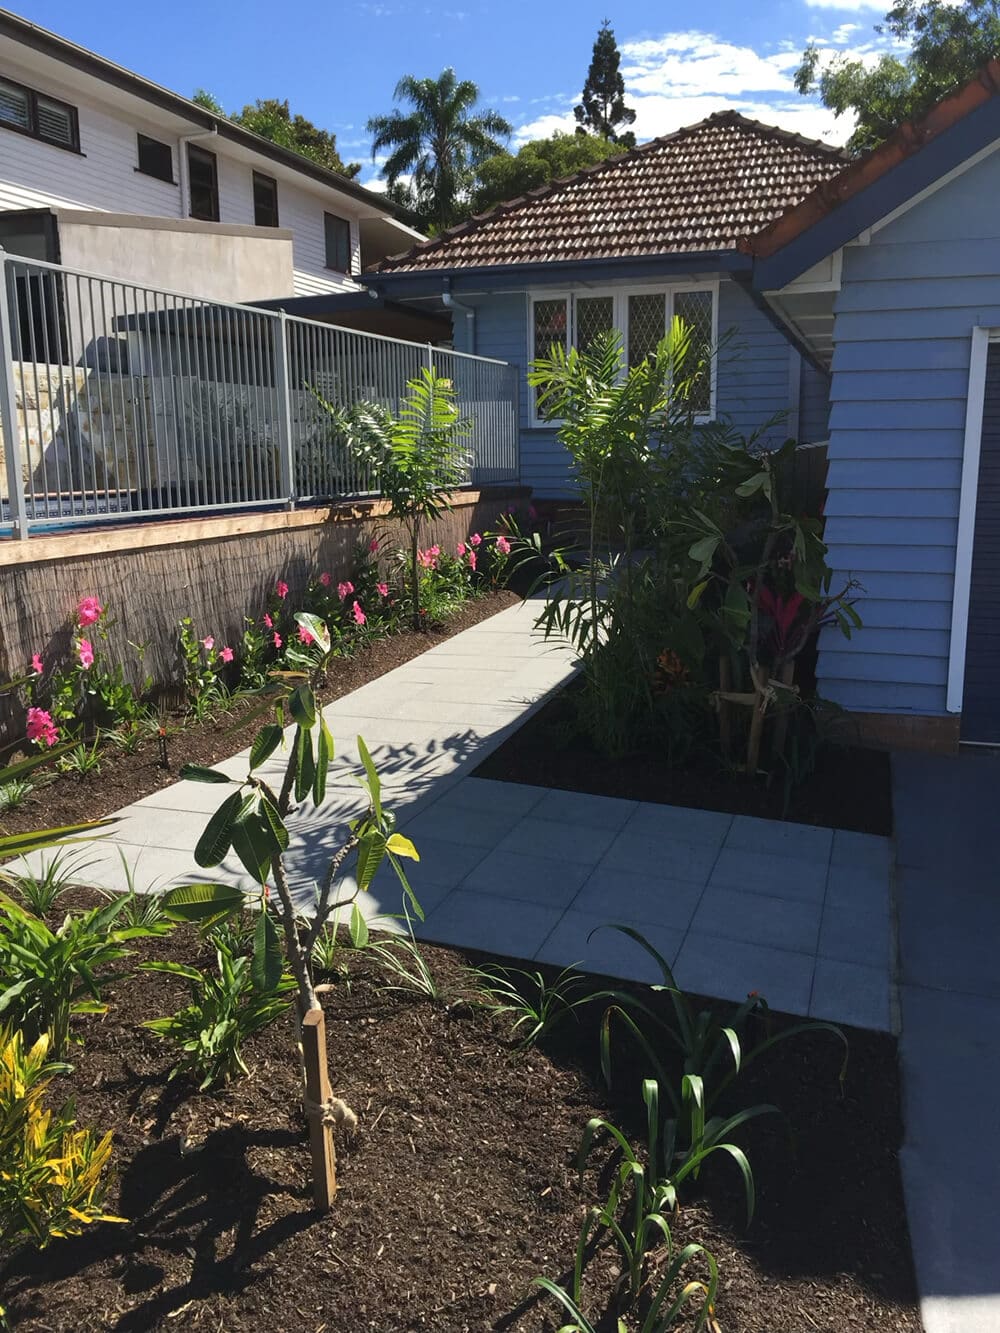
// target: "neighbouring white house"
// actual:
[[102, 169]]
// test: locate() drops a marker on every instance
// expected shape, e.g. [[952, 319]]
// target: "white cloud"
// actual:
[[849, 6], [682, 77], [844, 33]]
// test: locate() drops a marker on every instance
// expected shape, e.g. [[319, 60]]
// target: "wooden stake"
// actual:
[[781, 725], [317, 1078]]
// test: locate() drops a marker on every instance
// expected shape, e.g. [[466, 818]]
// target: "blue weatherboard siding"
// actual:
[[904, 318], [752, 385]]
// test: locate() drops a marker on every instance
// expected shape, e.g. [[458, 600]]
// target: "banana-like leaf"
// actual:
[[305, 764], [20, 844], [324, 757], [316, 627], [358, 928], [374, 785], [371, 854]]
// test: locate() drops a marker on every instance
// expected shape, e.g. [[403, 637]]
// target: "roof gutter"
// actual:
[[469, 311]]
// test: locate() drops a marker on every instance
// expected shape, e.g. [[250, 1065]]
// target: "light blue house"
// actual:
[[860, 299]]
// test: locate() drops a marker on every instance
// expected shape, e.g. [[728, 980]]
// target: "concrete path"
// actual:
[[948, 894], [800, 914]]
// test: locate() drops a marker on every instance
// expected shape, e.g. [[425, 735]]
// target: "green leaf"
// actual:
[[265, 743], [217, 837], [316, 627], [695, 595], [267, 963], [302, 706], [201, 902], [703, 550], [359, 927], [253, 839], [305, 764], [374, 785], [198, 773], [324, 757], [371, 853], [401, 846]]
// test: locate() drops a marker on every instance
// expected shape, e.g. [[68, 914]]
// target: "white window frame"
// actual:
[[620, 294], [982, 338]]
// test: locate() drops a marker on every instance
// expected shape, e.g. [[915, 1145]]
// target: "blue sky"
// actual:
[[338, 63]]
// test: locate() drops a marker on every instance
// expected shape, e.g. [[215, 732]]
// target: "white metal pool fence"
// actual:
[[120, 400]]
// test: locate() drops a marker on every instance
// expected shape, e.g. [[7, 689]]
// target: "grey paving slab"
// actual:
[[864, 851], [579, 808], [450, 823], [483, 921], [731, 969], [643, 854], [773, 838], [557, 839], [585, 939], [488, 794], [857, 886], [856, 934], [526, 878], [949, 916], [675, 822], [617, 895], [737, 914], [852, 993], [777, 875]]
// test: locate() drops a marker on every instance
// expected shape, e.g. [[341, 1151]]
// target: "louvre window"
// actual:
[[155, 158], [45, 118], [338, 243], [641, 319], [203, 182], [265, 200]]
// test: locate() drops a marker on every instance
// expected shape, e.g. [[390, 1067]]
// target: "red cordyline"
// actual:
[[783, 613]]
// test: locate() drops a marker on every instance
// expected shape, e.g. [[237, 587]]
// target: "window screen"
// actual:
[[14, 106], [155, 158], [338, 243], [695, 309], [42, 117], [203, 181], [594, 315], [647, 322], [265, 200]]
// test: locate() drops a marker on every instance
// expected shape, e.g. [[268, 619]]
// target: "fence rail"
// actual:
[[118, 400]]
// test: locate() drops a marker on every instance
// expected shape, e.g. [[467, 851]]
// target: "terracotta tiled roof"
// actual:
[[703, 188]]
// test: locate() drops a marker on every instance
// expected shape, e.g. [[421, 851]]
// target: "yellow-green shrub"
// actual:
[[53, 1181]]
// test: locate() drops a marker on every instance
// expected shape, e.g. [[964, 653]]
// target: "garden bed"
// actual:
[[125, 778], [850, 788], [457, 1189]]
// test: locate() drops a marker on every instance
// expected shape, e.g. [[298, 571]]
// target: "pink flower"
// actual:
[[226, 654], [503, 545], [277, 639], [37, 665], [460, 549], [382, 589], [305, 636], [344, 589], [475, 539], [268, 621], [281, 588], [325, 580], [428, 558], [86, 650], [373, 546], [472, 561], [40, 727], [208, 643], [89, 611], [358, 614]]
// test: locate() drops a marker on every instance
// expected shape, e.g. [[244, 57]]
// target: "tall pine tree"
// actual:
[[603, 108]]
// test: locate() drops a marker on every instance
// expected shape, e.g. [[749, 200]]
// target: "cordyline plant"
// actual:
[[763, 587], [414, 457], [252, 823]]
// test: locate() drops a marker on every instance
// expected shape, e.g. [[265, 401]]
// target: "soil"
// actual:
[[124, 778], [850, 788], [458, 1187]]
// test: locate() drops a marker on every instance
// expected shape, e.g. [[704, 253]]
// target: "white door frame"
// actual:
[[974, 410]]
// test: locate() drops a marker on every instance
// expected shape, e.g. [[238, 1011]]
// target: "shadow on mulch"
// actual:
[[460, 1186]]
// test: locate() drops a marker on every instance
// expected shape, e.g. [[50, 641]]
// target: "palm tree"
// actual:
[[439, 143]]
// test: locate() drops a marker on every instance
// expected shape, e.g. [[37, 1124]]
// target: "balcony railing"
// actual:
[[122, 402]]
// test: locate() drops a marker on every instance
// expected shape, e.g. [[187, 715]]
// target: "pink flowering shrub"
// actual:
[[40, 728], [204, 668]]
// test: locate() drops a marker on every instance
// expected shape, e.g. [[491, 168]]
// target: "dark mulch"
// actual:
[[125, 778], [458, 1187], [850, 788]]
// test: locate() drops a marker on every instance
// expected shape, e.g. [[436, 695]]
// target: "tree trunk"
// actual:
[[725, 708], [415, 572], [786, 677], [317, 1098]]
